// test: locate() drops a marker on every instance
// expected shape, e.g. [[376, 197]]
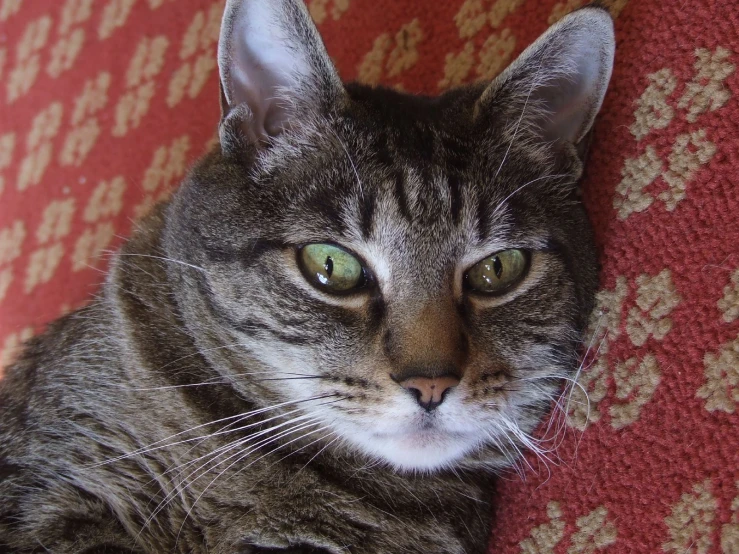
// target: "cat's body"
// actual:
[[218, 398]]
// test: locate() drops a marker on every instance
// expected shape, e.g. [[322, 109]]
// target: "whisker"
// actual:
[[222, 380], [317, 453], [163, 258], [518, 123], [223, 449], [241, 417], [177, 487], [248, 465], [354, 167], [244, 439], [279, 448], [248, 438], [502, 202]]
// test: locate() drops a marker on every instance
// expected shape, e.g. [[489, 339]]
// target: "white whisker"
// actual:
[[241, 417], [163, 258]]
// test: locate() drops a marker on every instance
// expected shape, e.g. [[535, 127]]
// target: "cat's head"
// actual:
[[407, 275]]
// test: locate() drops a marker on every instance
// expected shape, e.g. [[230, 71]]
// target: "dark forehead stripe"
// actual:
[[324, 210], [458, 152], [388, 163], [366, 212], [437, 159], [454, 180], [400, 194], [483, 214]]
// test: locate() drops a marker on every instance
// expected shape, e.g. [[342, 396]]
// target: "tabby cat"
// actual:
[[349, 317]]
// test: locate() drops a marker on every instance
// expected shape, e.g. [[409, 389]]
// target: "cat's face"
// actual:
[[419, 269]]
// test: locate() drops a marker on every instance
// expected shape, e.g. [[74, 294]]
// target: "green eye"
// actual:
[[498, 272], [329, 267]]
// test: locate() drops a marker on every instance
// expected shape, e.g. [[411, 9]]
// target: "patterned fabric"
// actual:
[[104, 104]]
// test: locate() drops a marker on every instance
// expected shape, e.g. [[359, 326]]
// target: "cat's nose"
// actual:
[[430, 391]]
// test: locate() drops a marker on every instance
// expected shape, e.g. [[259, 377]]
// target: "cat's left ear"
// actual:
[[557, 85], [274, 67]]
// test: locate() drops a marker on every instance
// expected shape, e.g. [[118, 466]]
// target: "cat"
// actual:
[[350, 316]]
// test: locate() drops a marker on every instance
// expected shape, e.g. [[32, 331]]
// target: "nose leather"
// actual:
[[429, 391]]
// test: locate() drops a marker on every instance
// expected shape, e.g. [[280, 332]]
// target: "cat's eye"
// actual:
[[497, 273], [331, 268]]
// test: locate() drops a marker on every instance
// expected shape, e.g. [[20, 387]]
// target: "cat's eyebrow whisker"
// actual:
[[501, 204], [348, 156], [534, 82]]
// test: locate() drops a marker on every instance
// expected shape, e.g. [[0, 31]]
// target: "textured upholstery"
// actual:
[[103, 104]]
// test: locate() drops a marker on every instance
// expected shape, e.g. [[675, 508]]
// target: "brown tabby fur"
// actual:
[[111, 421]]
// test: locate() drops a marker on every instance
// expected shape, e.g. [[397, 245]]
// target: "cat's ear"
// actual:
[[558, 83], [273, 66]]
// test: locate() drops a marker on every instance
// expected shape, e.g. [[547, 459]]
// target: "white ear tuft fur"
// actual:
[[273, 62], [561, 79]]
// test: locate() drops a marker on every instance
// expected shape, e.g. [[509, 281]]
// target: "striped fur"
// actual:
[[212, 400]]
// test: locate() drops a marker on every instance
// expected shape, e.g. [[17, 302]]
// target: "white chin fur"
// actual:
[[416, 451]]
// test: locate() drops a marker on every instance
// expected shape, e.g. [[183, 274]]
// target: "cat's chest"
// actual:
[[268, 505]]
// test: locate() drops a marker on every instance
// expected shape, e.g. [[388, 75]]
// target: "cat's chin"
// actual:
[[420, 451]]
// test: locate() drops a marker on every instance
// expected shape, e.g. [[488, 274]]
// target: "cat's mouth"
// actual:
[[416, 440]]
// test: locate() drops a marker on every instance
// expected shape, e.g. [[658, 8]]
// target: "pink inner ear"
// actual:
[[258, 81], [571, 106], [277, 119], [272, 59], [563, 76]]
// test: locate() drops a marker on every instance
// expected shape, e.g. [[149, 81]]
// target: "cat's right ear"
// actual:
[[556, 86], [274, 69]]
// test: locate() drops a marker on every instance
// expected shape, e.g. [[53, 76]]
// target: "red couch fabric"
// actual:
[[104, 104]]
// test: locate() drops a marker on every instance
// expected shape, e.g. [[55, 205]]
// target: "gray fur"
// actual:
[[211, 400]]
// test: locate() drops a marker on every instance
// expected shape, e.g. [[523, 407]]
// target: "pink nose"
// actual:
[[429, 391]]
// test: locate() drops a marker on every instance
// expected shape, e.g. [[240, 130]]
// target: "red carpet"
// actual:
[[104, 104]]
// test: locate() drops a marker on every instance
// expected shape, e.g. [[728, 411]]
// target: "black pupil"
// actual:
[[329, 266], [497, 267]]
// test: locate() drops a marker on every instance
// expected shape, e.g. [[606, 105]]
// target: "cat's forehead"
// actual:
[[404, 216], [408, 183]]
